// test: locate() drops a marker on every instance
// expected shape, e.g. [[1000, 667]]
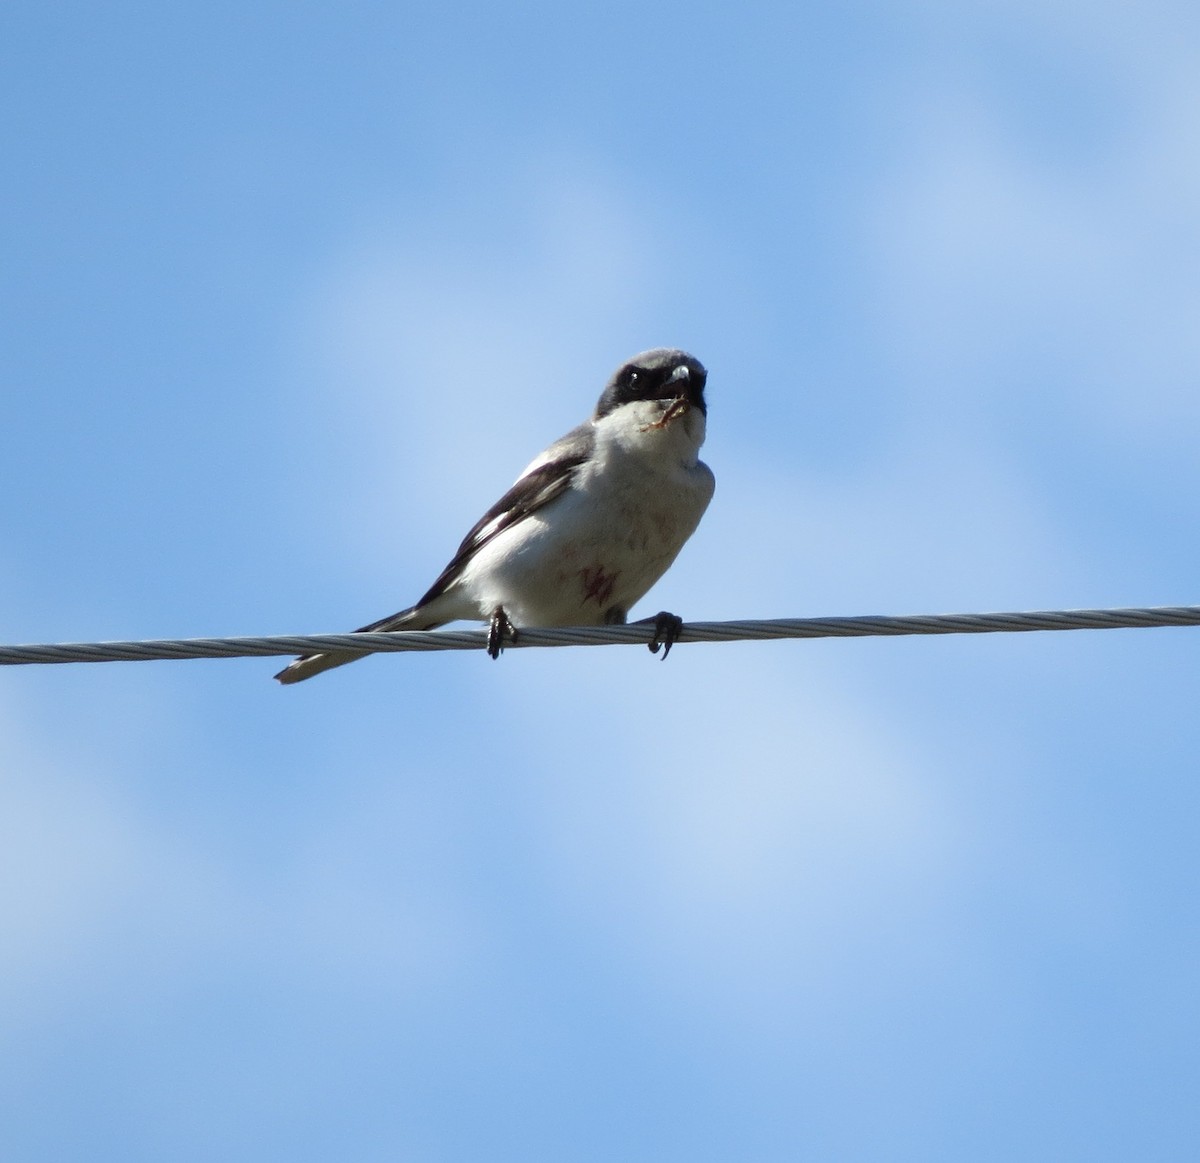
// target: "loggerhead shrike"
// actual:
[[588, 527]]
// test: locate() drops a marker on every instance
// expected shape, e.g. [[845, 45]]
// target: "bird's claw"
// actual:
[[667, 628], [500, 631]]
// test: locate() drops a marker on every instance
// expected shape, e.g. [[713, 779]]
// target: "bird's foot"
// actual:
[[500, 632], [666, 631]]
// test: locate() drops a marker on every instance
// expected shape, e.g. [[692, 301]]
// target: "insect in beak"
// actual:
[[677, 407]]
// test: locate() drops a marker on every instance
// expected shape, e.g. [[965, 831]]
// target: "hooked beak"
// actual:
[[681, 379]]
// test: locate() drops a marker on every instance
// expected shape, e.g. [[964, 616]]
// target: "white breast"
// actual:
[[609, 538]]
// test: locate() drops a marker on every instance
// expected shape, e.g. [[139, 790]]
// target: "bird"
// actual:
[[588, 527]]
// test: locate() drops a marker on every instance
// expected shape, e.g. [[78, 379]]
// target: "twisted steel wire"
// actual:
[[1138, 617]]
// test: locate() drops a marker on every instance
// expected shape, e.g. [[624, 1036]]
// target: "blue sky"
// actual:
[[923, 899]]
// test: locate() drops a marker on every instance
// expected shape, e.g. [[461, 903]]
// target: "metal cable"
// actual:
[[361, 644]]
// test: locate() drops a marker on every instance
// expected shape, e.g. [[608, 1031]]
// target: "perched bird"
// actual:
[[588, 527]]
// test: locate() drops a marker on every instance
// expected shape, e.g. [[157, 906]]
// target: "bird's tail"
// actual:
[[308, 665]]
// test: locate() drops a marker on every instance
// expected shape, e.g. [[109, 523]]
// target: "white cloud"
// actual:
[[994, 244], [82, 868], [750, 807], [456, 347], [101, 890], [940, 520]]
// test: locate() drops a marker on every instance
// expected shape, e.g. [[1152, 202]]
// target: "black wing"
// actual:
[[537, 488]]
